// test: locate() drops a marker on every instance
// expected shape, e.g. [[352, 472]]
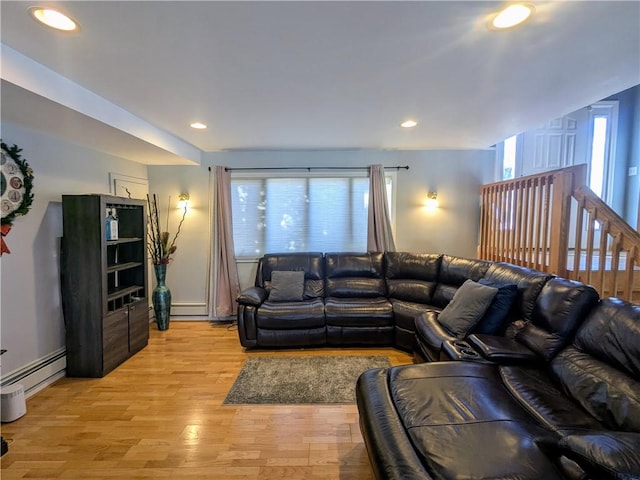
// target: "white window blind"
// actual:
[[300, 214]]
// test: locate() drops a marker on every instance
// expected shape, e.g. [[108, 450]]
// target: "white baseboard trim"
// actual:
[[189, 318], [200, 318], [38, 374], [188, 308]]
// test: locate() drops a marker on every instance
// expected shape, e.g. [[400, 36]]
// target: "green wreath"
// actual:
[[16, 183]]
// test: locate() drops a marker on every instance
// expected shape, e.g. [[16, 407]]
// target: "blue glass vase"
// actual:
[[161, 298]]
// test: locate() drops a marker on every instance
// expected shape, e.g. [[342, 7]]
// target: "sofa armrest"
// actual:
[[502, 349], [252, 296], [605, 455], [430, 331], [391, 453]]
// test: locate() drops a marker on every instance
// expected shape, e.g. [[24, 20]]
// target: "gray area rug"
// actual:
[[291, 380]]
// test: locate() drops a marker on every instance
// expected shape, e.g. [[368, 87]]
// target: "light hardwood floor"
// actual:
[[160, 415]]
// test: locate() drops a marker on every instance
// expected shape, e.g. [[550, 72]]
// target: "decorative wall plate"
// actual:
[[16, 183]]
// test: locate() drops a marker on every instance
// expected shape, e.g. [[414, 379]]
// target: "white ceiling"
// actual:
[[310, 75]]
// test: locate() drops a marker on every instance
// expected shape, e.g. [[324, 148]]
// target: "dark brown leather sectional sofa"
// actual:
[[552, 391], [351, 298]]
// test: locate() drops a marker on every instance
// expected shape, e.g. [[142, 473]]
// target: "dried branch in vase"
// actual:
[[159, 245]]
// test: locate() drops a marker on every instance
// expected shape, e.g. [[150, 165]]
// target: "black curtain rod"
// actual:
[[308, 169]]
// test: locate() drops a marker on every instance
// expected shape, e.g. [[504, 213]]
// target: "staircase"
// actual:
[[554, 223]]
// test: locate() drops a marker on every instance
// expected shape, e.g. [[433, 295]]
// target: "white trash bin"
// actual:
[[12, 403]]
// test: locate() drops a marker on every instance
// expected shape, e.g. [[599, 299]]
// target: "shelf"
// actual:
[[121, 206], [106, 321], [122, 266], [121, 292], [123, 240]]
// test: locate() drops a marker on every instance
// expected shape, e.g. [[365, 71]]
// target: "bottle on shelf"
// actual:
[[112, 225]]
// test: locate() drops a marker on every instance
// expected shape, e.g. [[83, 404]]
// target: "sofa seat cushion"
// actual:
[[456, 413], [354, 312], [291, 315], [535, 390], [605, 455]]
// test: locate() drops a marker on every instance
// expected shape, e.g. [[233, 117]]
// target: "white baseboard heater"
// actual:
[[38, 374]]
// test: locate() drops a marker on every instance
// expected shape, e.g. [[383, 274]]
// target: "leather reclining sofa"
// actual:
[[351, 298], [550, 389]]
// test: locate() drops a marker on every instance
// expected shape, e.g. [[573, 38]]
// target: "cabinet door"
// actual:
[[115, 339], [138, 325]]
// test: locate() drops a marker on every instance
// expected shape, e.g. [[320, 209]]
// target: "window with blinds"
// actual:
[[300, 214]]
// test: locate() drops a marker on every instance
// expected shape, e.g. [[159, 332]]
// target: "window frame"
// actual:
[[519, 152], [316, 173], [610, 110]]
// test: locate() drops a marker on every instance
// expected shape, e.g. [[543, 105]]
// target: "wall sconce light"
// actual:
[[432, 201], [183, 201]]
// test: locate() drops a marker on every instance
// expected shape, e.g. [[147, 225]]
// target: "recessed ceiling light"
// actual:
[[198, 125], [54, 19], [408, 124], [511, 16]]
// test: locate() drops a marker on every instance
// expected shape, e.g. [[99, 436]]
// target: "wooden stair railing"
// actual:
[[616, 252], [554, 223]]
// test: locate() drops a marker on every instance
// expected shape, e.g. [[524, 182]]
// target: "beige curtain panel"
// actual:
[[224, 285], [379, 233]]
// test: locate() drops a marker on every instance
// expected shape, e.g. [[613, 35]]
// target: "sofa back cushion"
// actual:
[[563, 305], [454, 271], [530, 283], [354, 275], [601, 369], [559, 310], [411, 276], [312, 264], [612, 334]]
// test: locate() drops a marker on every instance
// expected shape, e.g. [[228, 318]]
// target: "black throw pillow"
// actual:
[[494, 319]]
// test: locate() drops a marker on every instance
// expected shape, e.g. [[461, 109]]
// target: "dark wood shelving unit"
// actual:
[[104, 283], [122, 266]]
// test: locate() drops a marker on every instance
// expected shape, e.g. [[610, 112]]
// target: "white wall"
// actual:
[[453, 228], [31, 322], [187, 272], [628, 154], [625, 188]]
